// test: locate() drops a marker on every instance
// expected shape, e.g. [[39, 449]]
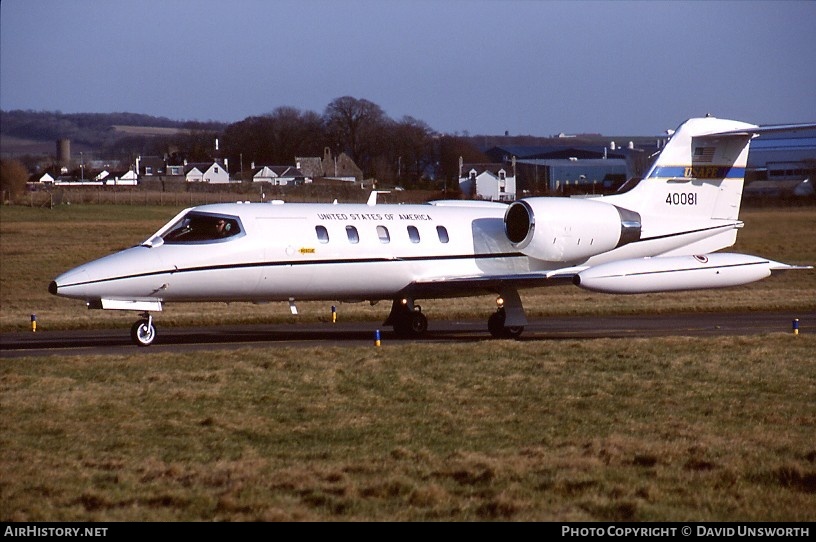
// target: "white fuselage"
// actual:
[[360, 252], [323, 251]]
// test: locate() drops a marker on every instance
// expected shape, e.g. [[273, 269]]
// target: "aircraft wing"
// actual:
[[440, 287], [637, 275]]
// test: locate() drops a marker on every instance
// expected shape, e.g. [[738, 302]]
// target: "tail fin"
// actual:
[[693, 191], [699, 174]]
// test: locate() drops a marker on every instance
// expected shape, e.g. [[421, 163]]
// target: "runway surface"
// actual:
[[117, 341]]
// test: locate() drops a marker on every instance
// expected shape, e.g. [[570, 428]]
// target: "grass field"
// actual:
[[675, 429], [668, 429]]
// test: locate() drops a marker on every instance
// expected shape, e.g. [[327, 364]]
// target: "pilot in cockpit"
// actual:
[[222, 228]]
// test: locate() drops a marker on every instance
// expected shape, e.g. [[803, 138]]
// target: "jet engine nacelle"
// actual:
[[568, 230]]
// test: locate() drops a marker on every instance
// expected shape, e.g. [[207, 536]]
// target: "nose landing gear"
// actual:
[[143, 332]]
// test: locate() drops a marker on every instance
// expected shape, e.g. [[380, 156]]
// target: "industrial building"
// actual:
[[779, 164]]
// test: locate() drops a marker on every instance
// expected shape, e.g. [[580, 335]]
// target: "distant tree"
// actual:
[[295, 133], [274, 139], [128, 146], [13, 177], [354, 125], [250, 138], [410, 150], [197, 146]]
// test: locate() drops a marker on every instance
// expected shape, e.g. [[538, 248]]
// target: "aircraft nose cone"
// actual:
[[66, 284], [130, 273]]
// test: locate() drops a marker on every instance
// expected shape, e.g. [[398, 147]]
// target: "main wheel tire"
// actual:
[[419, 323], [143, 333], [495, 324], [513, 332], [411, 325]]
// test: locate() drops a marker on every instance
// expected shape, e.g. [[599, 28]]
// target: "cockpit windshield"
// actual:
[[197, 227]]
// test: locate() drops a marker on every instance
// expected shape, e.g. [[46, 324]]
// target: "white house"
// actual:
[[279, 175], [487, 181], [206, 172], [121, 178]]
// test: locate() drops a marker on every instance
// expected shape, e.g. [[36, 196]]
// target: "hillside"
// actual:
[[34, 132]]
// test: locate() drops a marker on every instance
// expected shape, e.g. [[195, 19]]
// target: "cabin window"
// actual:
[[413, 234], [353, 236], [197, 227], [382, 233], [443, 234], [322, 234]]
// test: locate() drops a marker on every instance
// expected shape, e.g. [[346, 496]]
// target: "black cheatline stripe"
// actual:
[[302, 263]]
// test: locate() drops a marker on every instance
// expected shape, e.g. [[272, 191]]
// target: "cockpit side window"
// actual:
[[203, 228]]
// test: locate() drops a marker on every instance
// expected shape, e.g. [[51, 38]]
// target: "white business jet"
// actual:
[[659, 236]]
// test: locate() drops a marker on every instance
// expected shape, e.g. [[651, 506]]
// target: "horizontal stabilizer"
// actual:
[[771, 129]]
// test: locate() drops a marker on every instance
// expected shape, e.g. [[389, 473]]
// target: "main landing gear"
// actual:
[[143, 332], [407, 318], [509, 319], [506, 323], [495, 324]]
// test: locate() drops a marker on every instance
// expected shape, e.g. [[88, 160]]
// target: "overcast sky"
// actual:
[[477, 66]]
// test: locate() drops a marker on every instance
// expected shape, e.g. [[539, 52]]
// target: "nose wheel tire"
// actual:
[[143, 332]]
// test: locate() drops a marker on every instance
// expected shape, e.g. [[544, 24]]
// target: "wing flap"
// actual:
[[459, 286]]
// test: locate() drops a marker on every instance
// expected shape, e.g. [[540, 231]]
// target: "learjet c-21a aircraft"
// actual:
[[659, 236]]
